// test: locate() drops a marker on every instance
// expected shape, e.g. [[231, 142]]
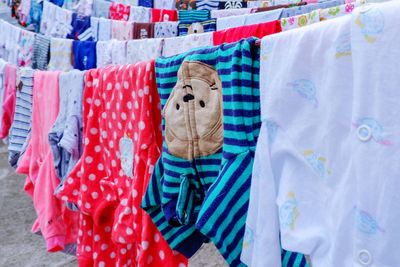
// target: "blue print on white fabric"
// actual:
[[343, 45], [272, 128], [371, 23], [248, 238], [306, 89], [288, 212], [317, 162], [366, 223], [378, 132]]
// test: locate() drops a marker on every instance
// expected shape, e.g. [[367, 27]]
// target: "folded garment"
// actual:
[[41, 52], [143, 30], [207, 4]]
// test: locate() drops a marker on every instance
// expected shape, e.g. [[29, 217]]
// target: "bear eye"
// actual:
[[213, 87], [202, 104], [177, 106]]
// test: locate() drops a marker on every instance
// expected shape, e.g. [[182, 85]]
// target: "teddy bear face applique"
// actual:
[[193, 112], [195, 27]]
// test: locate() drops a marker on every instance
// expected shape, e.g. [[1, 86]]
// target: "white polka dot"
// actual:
[[161, 254], [115, 135], [97, 238], [118, 105], [134, 210], [108, 105], [107, 229], [119, 125], [88, 249], [140, 93], [112, 255], [102, 264], [95, 255], [75, 192], [135, 136], [130, 126], [84, 188], [145, 245], [92, 177], [146, 90], [129, 231], [156, 237], [123, 116], [80, 233], [88, 159], [90, 113], [117, 86], [182, 265], [133, 116], [104, 247], [129, 105], [87, 205], [87, 141], [124, 201], [97, 102], [97, 148], [113, 115], [123, 251], [121, 96], [109, 86], [100, 167], [104, 115], [121, 240], [113, 163], [134, 193], [143, 147], [126, 85], [94, 131], [141, 125], [111, 144], [70, 180], [80, 204], [104, 134], [134, 226], [129, 247], [89, 100], [95, 195]]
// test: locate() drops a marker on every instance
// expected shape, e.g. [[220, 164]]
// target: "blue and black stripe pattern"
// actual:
[[207, 4], [212, 190], [21, 125], [193, 15], [197, 27]]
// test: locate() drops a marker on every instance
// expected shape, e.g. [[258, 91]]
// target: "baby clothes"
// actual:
[[143, 50], [232, 4], [185, 4], [207, 4], [197, 27], [57, 224], [26, 43], [146, 3], [160, 15], [236, 34], [84, 55], [166, 29], [193, 15], [35, 15], [326, 182], [334, 12], [81, 28], [118, 52], [41, 52], [303, 9], [103, 53], [104, 32], [21, 125], [122, 30], [60, 54], [140, 14], [143, 30], [56, 21], [84, 8], [119, 11], [8, 103], [94, 24], [248, 19], [23, 11], [300, 20], [11, 44], [164, 4], [101, 8], [177, 45], [216, 14], [200, 185]]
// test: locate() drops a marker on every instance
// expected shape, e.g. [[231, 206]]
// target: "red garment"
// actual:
[[9, 97], [119, 11], [121, 147], [160, 15], [257, 30]]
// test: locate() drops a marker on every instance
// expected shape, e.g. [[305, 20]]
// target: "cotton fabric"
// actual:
[[41, 52], [104, 33], [197, 27], [60, 54], [101, 8], [160, 15], [119, 11], [122, 30], [178, 45], [81, 28], [84, 55], [103, 53], [26, 43], [166, 29], [140, 14], [248, 19], [8, 103], [143, 30], [143, 50], [216, 14]]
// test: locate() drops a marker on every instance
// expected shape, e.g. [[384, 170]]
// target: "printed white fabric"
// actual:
[[143, 50], [181, 44]]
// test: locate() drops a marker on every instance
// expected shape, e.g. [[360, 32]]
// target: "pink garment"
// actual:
[[57, 224], [9, 96], [122, 30]]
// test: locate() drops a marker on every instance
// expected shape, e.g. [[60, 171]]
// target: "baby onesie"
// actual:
[[8, 103], [143, 30], [60, 54], [57, 224], [197, 27], [118, 52], [300, 20], [103, 53], [26, 43], [177, 45], [143, 50], [119, 11], [35, 15], [81, 28], [41, 52], [101, 8], [140, 14], [166, 29], [21, 125], [160, 15], [94, 24], [122, 30], [84, 55], [104, 33]]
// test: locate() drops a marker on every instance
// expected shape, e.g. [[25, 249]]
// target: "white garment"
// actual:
[[181, 44], [326, 173], [94, 24], [12, 44], [166, 29], [104, 31], [221, 13], [56, 21], [60, 54], [118, 52], [164, 4], [248, 19], [143, 50], [140, 14], [103, 53]]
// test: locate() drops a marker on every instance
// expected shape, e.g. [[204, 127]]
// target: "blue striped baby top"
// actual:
[[193, 15], [197, 27], [207, 4]]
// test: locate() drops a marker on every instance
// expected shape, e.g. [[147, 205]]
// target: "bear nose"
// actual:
[[188, 97]]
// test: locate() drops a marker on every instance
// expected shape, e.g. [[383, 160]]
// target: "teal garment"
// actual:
[[193, 15], [192, 201]]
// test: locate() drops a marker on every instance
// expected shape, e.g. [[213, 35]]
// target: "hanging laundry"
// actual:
[[118, 52], [216, 14], [60, 54], [146, 3], [166, 29], [122, 30], [185, 4], [8, 103], [140, 14], [41, 52], [119, 11], [23, 12], [177, 45], [57, 224], [94, 24], [81, 28], [164, 4], [12, 37], [26, 43], [236, 34], [160, 15], [197, 27], [101, 9], [103, 53], [35, 15], [71, 5], [338, 11], [143, 50], [303, 9], [84, 55], [143, 30], [300, 20], [207, 4], [104, 32], [84, 8], [232, 4], [56, 22], [193, 15], [21, 125], [256, 4], [248, 19]]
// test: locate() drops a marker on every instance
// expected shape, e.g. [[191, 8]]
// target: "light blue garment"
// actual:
[[300, 10]]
